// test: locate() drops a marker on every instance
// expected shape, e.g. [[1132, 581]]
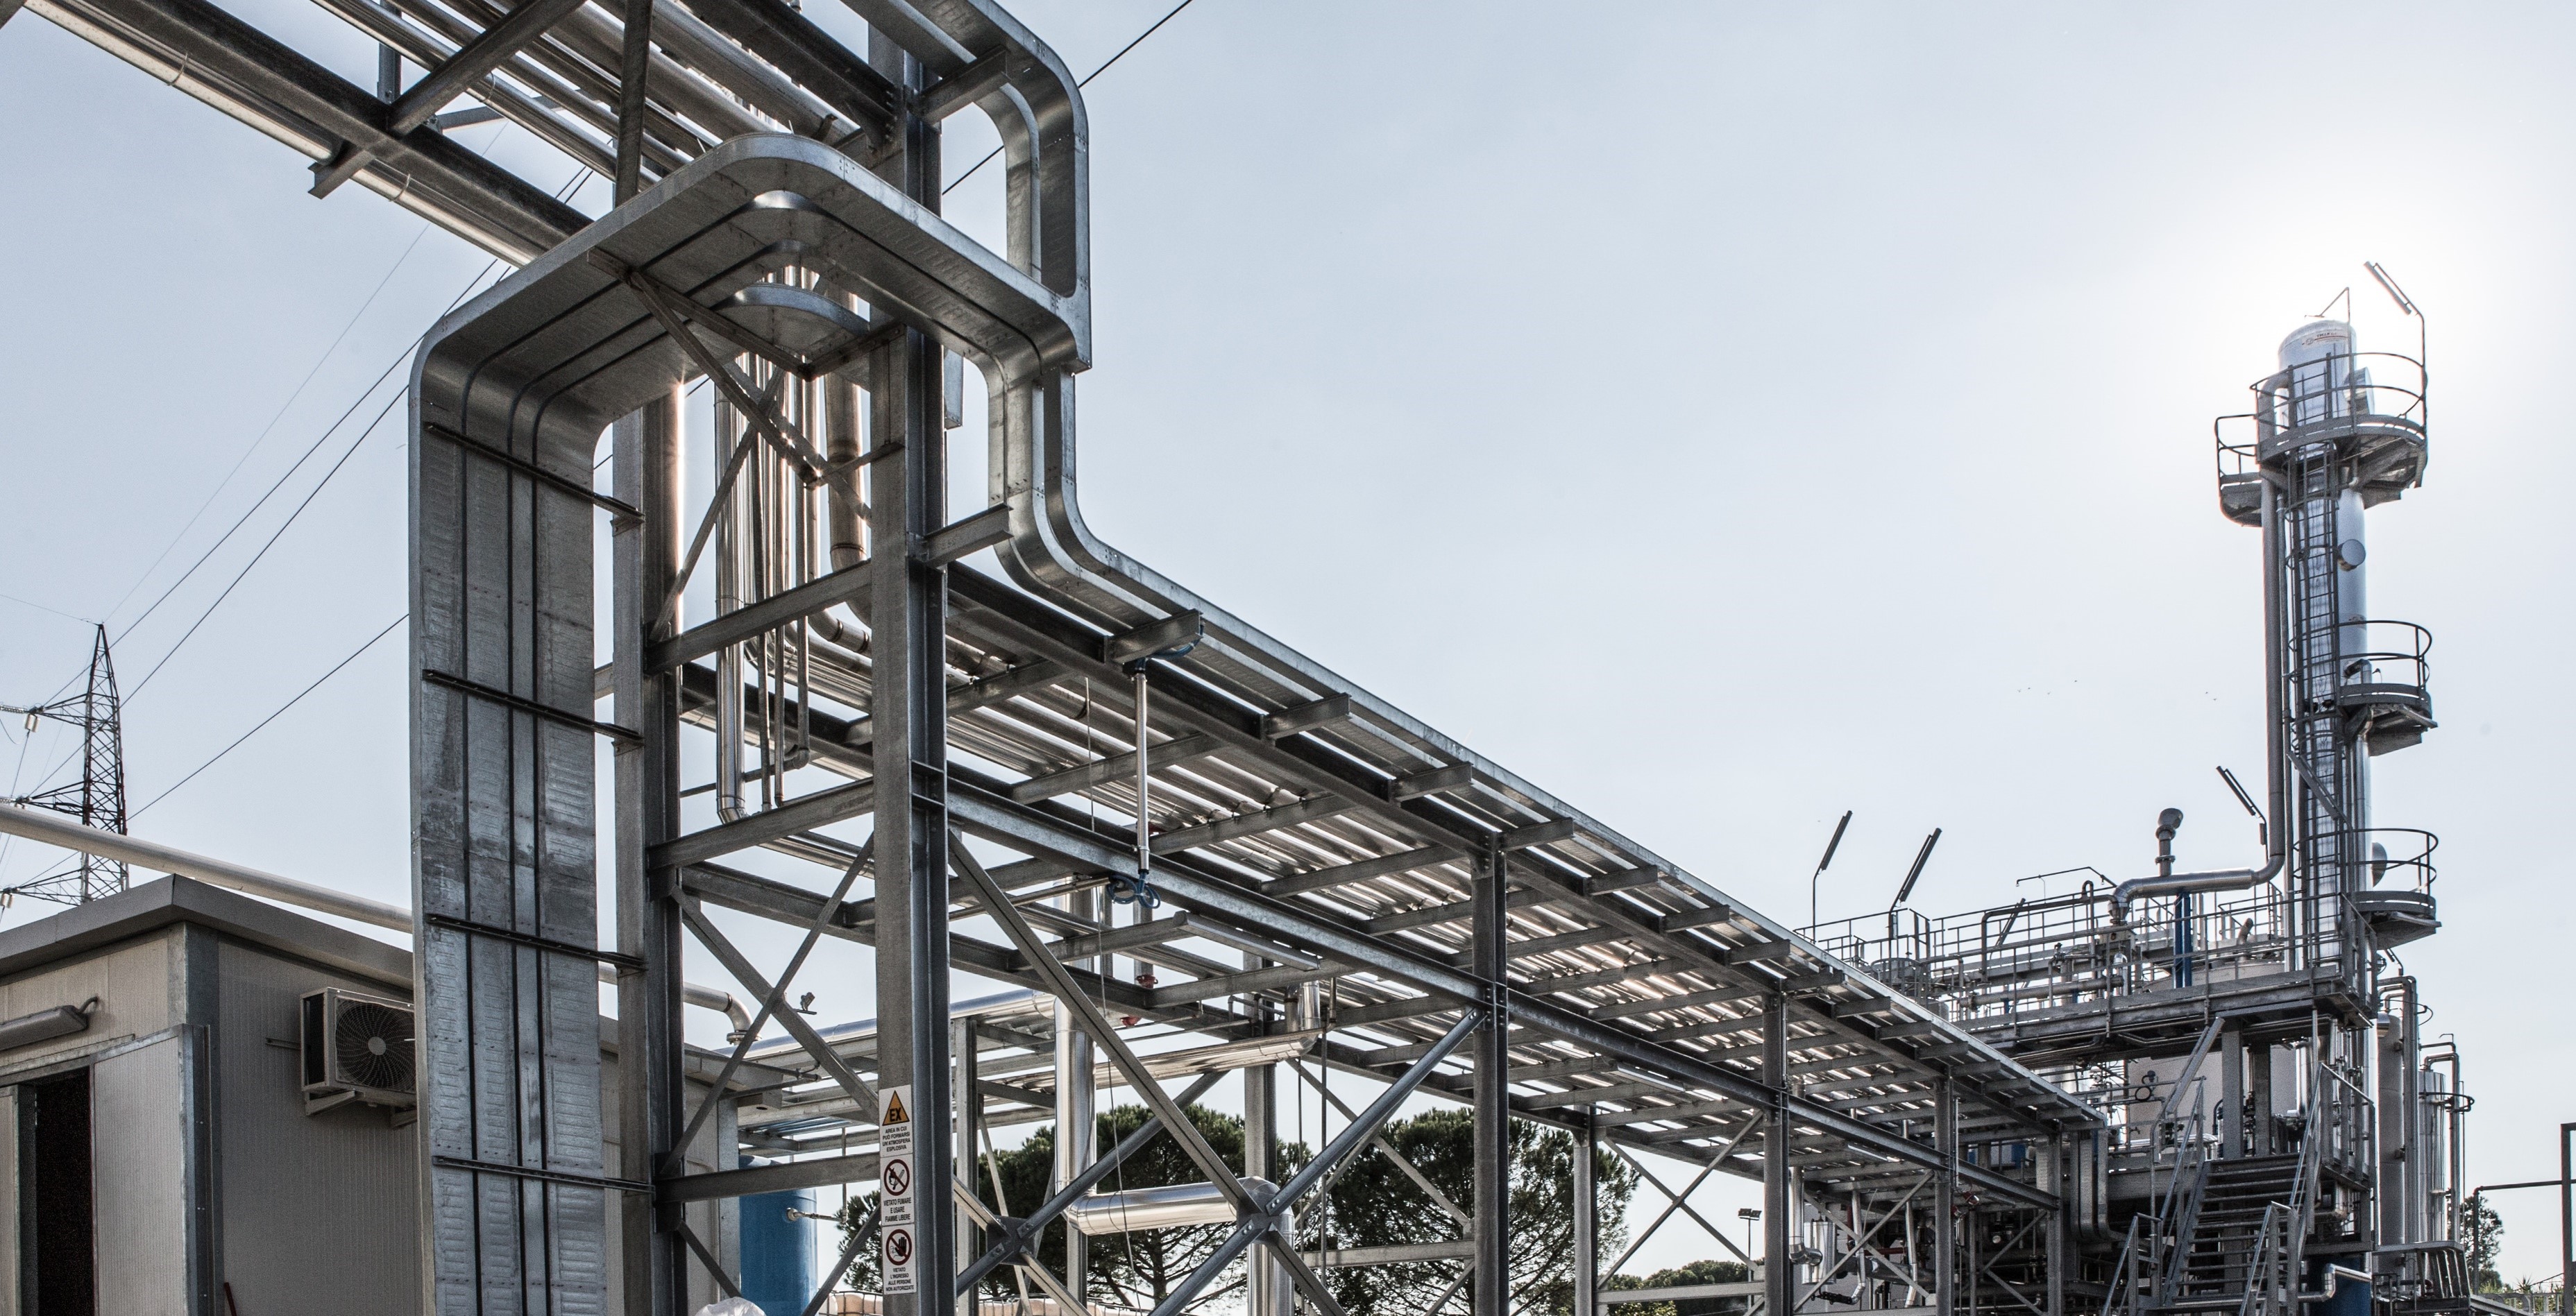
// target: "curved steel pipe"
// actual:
[[2276, 750]]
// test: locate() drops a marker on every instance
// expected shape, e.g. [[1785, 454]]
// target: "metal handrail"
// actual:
[[2304, 1196], [2411, 858], [2278, 406], [2258, 1289], [2191, 1164], [2344, 385], [2118, 1299], [2406, 647]]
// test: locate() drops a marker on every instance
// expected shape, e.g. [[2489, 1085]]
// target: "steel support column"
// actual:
[[1945, 1201], [908, 497], [645, 556], [634, 66], [2058, 1259], [1264, 1293], [907, 642], [1779, 1273], [2567, 1219], [1491, 1286], [1587, 1221], [969, 1131], [1076, 1123]]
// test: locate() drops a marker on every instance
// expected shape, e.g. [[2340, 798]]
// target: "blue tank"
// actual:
[[778, 1270]]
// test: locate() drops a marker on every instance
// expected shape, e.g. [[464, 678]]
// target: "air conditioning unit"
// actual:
[[357, 1048]]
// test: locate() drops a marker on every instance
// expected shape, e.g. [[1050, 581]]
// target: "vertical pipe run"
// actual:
[[2396, 1121], [1945, 1200], [1779, 1274], [644, 559], [2231, 1090], [728, 550], [1491, 1288], [1144, 772]]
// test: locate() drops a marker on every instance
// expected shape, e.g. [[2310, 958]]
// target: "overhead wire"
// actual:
[[378, 382], [262, 501], [283, 527], [271, 427], [280, 712], [31, 603], [1086, 81], [571, 185]]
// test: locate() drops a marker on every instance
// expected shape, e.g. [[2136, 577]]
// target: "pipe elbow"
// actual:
[[2224, 879], [710, 998]]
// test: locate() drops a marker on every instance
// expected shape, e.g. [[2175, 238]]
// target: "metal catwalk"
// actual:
[[970, 760]]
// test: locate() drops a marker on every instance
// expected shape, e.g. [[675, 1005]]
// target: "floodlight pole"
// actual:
[[1814, 920]]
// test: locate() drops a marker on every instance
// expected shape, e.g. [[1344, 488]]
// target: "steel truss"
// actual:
[[780, 238]]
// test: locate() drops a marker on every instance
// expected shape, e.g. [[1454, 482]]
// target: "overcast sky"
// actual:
[[1723, 416]]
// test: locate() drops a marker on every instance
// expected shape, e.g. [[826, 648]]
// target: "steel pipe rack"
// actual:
[[915, 717]]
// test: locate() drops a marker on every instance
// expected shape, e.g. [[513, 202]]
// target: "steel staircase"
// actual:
[[2232, 1232]]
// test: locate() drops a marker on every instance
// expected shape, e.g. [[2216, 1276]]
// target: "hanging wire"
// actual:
[[280, 712], [571, 185], [280, 532], [1086, 81], [268, 429]]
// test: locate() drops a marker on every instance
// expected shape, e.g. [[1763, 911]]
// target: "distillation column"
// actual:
[[2337, 431]]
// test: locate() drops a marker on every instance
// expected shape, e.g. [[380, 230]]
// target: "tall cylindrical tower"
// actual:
[[2334, 432]]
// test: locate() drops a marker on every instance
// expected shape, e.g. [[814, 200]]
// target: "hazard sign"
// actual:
[[895, 1188]]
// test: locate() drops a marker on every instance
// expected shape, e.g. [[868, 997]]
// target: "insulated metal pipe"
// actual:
[[2275, 751], [52, 829]]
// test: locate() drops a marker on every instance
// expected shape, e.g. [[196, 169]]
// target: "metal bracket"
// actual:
[[960, 539], [505, 698]]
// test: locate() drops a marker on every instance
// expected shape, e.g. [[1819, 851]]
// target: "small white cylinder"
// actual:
[[2317, 363]]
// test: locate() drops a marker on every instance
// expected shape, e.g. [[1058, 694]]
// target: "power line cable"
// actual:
[[271, 427], [42, 608], [253, 509], [568, 188], [283, 527], [571, 185], [1086, 81], [281, 712]]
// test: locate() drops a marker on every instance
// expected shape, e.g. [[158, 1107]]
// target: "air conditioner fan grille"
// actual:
[[373, 1046]]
